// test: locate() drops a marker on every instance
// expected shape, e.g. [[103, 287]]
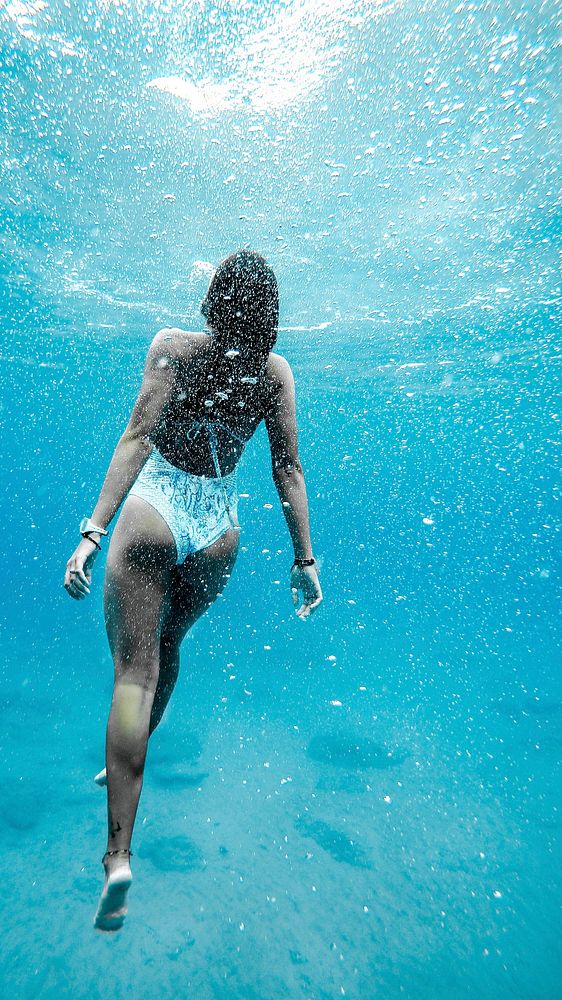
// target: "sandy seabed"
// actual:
[[308, 855]]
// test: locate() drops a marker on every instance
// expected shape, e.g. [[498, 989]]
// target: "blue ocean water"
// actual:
[[366, 804]]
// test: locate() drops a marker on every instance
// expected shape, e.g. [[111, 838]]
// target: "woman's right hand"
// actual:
[[78, 574], [305, 579]]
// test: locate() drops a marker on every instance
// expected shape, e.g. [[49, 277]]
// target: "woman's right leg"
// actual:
[[195, 586], [169, 672]]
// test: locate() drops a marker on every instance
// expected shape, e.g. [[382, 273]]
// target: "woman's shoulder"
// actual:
[[176, 334], [278, 371], [178, 343]]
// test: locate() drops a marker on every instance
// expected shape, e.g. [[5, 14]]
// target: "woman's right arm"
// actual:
[[288, 477]]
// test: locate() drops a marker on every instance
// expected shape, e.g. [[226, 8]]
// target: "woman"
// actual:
[[176, 539]]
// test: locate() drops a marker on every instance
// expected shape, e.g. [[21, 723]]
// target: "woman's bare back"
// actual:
[[213, 386]]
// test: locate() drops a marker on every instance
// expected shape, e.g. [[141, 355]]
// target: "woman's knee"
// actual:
[[135, 664]]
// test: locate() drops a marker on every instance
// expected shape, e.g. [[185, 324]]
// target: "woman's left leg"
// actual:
[[137, 583]]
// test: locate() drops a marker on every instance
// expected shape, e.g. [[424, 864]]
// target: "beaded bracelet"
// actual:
[[86, 535], [303, 562]]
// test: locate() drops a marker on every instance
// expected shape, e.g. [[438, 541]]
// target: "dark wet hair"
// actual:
[[242, 304]]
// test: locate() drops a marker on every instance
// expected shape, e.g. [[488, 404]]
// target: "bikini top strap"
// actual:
[[225, 427], [212, 435]]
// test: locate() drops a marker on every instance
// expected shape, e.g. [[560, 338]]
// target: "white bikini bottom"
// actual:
[[197, 509]]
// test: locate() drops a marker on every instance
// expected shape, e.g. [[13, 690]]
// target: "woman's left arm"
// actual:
[[132, 451]]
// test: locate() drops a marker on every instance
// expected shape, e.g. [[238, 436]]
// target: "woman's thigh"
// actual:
[[138, 582], [196, 584]]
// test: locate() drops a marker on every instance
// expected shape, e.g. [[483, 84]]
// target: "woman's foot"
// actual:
[[101, 778], [112, 906]]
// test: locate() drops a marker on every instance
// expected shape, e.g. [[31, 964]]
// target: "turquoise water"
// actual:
[[366, 804]]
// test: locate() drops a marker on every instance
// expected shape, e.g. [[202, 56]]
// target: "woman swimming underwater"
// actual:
[[176, 538]]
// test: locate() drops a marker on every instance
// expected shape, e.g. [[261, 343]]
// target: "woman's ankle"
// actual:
[[116, 858]]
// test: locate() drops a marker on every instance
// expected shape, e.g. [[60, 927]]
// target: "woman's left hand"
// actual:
[[78, 574], [305, 579]]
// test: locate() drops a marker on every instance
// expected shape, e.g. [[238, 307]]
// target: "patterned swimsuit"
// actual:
[[197, 509]]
